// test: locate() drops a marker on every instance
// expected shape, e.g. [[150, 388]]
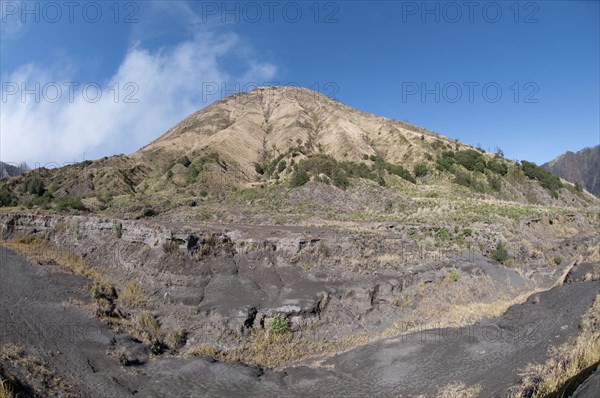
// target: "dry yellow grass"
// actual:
[[37, 250], [32, 370], [454, 303], [273, 351], [566, 361], [133, 296], [202, 350], [146, 327], [5, 389], [458, 390], [390, 260]]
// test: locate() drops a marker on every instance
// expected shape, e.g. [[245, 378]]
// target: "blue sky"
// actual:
[[523, 76]]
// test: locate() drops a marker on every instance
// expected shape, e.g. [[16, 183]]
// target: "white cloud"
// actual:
[[170, 82]]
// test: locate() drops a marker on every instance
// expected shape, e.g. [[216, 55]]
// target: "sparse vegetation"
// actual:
[[279, 325], [471, 160], [5, 389], [299, 178], [467, 179], [104, 294], [147, 328], [400, 171], [133, 296], [41, 381], [199, 162], [6, 198], [495, 182], [176, 339], [76, 229], [497, 167], [458, 390], [453, 275], [421, 170], [34, 185], [69, 202], [170, 247], [558, 260], [117, 229], [546, 179], [500, 253]]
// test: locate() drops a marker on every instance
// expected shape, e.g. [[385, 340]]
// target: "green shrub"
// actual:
[[467, 232], [500, 254], [6, 198], [497, 167], [279, 325], [184, 160], [358, 170], [421, 170], [281, 167], [558, 260], [199, 163], [470, 160], [320, 164], [463, 178], [453, 275], [339, 178], [495, 182], [41, 201], [34, 186], [445, 162], [299, 178], [546, 179], [75, 230], [70, 202], [442, 234], [117, 229], [259, 169], [400, 171]]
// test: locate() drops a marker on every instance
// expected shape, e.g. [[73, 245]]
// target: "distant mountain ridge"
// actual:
[[10, 170], [582, 167]]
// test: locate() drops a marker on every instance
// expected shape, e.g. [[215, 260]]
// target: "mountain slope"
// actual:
[[582, 167], [277, 118], [284, 138], [274, 123]]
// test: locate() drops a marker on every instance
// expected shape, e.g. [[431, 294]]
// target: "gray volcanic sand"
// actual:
[[36, 315]]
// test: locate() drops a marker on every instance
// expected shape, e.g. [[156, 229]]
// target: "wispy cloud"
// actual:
[[151, 90]]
